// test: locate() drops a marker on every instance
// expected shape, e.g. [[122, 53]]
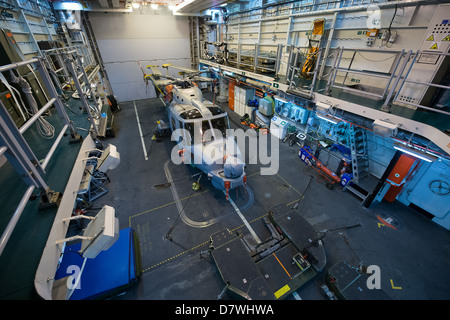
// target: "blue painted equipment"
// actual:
[[109, 273], [305, 153], [345, 178]]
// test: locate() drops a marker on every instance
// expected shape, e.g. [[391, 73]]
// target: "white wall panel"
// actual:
[[151, 39]]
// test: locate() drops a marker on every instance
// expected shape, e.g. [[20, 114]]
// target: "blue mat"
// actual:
[[111, 270]]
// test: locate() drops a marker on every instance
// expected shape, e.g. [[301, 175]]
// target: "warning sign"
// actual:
[[447, 38], [434, 46], [431, 38]]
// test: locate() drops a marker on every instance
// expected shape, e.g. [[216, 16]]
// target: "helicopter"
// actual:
[[200, 129]]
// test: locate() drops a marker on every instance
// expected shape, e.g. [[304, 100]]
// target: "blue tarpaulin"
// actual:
[[111, 270]]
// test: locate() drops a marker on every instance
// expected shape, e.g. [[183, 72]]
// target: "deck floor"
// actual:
[[413, 260]]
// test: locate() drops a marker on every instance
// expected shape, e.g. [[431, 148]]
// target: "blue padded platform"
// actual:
[[110, 271]]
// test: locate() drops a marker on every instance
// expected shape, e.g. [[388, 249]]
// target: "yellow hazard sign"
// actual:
[[434, 46], [430, 38], [447, 38], [282, 291]]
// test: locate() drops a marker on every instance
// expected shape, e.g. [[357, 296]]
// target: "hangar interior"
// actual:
[[338, 187]]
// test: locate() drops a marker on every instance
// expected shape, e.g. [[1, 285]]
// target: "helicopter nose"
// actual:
[[233, 167]]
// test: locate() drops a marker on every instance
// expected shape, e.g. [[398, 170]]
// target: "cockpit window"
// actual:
[[189, 126], [207, 133], [208, 130], [220, 124], [191, 114], [215, 110]]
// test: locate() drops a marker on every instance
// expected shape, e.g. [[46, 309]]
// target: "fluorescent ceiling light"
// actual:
[[67, 6], [135, 5], [415, 153], [327, 118], [280, 99]]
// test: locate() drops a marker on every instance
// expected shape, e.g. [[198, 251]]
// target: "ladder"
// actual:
[[360, 159], [194, 36]]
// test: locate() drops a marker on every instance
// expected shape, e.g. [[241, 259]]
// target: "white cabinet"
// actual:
[[241, 97], [278, 127]]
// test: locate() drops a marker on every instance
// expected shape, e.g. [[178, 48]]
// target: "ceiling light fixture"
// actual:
[[135, 5], [327, 117], [413, 152]]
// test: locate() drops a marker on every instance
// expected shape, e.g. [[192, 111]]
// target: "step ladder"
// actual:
[[91, 186], [358, 148], [97, 189], [359, 163]]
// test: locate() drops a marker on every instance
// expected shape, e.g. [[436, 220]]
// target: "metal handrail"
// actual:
[[33, 119], [404, 79], [336, 69], [13, 221], [10, 130]]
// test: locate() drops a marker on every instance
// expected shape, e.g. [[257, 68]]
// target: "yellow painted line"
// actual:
[[394, 287], [174, 257], [282, 291], [253, 174], [290, 185], [204, 243], [287, 205], [164, 205], [173, 202]]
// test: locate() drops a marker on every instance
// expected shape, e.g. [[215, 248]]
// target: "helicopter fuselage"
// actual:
[[204, 138]]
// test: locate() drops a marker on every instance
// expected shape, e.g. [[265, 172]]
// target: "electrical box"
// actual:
[[372, 33], [428, 65], [265, 107], [299, 114], [371, 37], [370, 41], [278, 127]]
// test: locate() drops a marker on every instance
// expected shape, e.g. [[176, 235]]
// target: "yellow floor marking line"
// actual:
[[394, 287], [206, 242], [174, 202], [287, 205], [290, 185], [174, 257], [165, 205]]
